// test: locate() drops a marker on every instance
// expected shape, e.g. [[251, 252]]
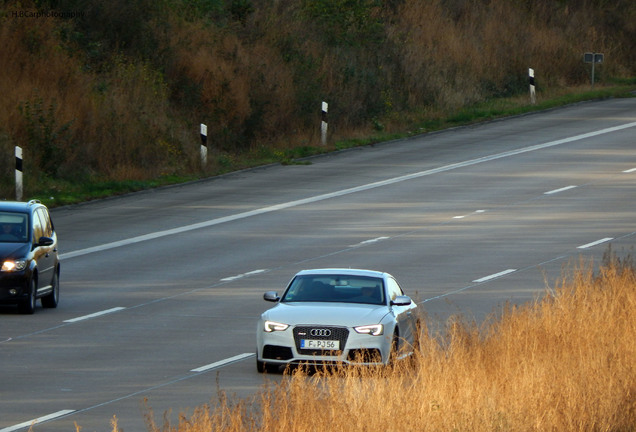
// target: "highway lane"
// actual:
[[444, 213]]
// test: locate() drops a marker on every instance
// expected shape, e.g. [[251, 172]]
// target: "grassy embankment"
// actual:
[[109, 100], [565, 362]]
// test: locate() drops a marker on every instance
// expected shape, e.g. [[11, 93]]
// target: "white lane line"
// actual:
[[222, 363], [630, 170], [37, 421], [253, 272], [494, 276], [597, 242], [463, 216], [559, 190], [340, 193], [366, 242], [94, 315]]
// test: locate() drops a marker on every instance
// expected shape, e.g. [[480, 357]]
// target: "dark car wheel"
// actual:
[[395, 344], [27, 306], [51, 300], [264, 367]]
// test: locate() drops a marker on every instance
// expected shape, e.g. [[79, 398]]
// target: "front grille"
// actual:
[[340, 334], [276, 352]]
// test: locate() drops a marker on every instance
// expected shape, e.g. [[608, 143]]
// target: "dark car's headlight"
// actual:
[[373, 330], [13, 265], [271, 326]]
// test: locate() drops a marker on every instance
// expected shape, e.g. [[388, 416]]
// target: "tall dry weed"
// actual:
[[564, 362]]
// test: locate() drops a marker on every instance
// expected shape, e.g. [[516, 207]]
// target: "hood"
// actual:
[[326, 313], [13, 250]]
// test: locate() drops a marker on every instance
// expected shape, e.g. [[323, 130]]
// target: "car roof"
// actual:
[[343, 271], [19, 206]]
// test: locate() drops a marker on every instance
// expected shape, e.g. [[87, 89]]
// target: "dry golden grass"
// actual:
[[566, 362]]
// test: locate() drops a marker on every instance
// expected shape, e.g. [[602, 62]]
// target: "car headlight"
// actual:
[[373, 330], [272, 326], [13, 265]]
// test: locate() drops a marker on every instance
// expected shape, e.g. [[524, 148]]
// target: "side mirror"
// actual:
[[271, 296], [401, 301], [45, 241]]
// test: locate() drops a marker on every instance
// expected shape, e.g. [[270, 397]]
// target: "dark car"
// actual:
[[30, 268]]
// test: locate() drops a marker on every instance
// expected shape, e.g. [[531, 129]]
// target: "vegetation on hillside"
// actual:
[[114, 91], [564, 362]]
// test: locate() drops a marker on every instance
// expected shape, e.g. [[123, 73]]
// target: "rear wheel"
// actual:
[[51, 300], [27, 306]]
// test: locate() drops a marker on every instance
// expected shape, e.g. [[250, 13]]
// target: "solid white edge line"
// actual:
[[36, 421], [559, 190], [630, 171], [221, 363], [340, 193], [494, 276], [94, 315], [597, 242]]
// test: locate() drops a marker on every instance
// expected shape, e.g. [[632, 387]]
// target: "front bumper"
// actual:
[[284, 347], [13, 287]]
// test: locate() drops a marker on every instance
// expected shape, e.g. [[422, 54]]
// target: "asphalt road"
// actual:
[[161, 290]]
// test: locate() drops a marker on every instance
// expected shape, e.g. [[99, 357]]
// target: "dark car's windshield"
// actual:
[[13, 227], [335, 288]]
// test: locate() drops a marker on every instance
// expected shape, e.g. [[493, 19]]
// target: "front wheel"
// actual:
[[264, 367], [51, 300], [27, 306], [395, 345]]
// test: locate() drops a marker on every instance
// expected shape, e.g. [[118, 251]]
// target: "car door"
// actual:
[[45, 256], [404, 314]]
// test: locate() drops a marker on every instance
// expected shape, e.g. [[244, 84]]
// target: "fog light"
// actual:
[[13, 291]]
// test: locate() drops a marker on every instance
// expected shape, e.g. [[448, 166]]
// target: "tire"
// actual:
[[262, 367], [51, 300], [27, 306], [395, 344]]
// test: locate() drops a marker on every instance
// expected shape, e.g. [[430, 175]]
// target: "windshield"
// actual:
[[13, 227], [335, 288]]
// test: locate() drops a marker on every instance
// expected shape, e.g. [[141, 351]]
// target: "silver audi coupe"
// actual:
[[328, 316]]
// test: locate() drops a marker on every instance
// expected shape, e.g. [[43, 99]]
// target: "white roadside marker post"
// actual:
[[204, 145], [323, 125], [18, 173], [533, 94]]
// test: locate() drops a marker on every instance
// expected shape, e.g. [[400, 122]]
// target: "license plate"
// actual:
[[319, 344]]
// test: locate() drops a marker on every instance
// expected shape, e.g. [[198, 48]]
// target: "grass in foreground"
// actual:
[[564, 362]]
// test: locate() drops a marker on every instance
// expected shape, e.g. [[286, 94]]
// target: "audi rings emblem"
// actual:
[[320, 332]]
